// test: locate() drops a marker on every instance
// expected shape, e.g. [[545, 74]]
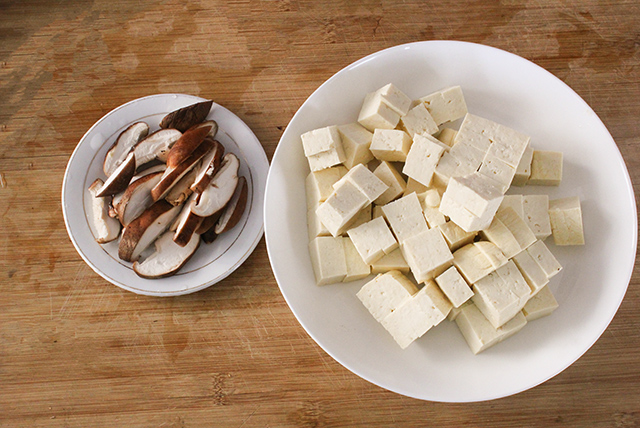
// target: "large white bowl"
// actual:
[[212, 262], [439, 366]]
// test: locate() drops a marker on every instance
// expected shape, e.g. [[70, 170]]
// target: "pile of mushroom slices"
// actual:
[[172, 188]]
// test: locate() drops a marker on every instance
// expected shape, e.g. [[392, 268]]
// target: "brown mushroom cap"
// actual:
[[233, 211], [186, 117], [121, 177], [123, 145], [188, 142]]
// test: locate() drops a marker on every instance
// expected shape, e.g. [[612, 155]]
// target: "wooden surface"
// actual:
[[76, 351]]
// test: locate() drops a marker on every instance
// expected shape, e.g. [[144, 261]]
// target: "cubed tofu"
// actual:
[[414, 186], [376, 211], [536, 214], [517, 226], [430, 201], [392, 261], [498, 170], [373, 240], [365, 180], [502, 237], [453, 313], [423, 156], [447, 136], [491, 252], [501, 296], [447, 167], [339, 210], [419, 121], [455, 236], [319, 184], [565, 216], [546, 168], [397, 100], [523, 171], [405, 217], [446, 105], [531, 271], [323, 147], [478, 331], [390, 145], [477, 193], [541, 254], [325, 160], [454, 286], [356, 140], [472, 263], [385, 293], [393, 179], [426, 309], [427, 254], [462, 217], [356, 267], [375, 114], [540, 305], [315, 227], [468, 157], [328, 259], [515, 202], [363, 216]]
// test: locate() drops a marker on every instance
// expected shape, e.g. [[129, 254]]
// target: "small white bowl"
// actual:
[[439, 366], [211, 262]]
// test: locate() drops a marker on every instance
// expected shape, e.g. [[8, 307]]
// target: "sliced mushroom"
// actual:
[[150, 170], [233, 211], [187, 117], [137, 198], [210, 165], [168, 258], [186, 223], [156, 146], [209, 236], [221, 188], [181, 191], [121, 148], [105, 228], [145, 229], [121, 177], [188, 142], [172, 175]]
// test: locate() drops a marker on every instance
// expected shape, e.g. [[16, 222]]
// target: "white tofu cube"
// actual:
[[536, 214], [516, 202], [363, 216], [405, 217], [419, 121], [446, 105], [414, 186], [394, 181], [523, 171], [328, 259], [427, 254], [502, 237], [356, 140], [447, 167], [397, 100], [392, 261], [454, 286], [541, 254], [498, 170], [385, 293], [455, 236], [462, 217], [468, 157], [390, 145], [356, 267], [373, 240], [472, 263], [517, 226], [314, 225], [447, 136], [531, 271], [319, 184], [323, 147], [565, 216], [477, 193], [339, 210], [540, 305], [365, 180], [492, 253], [422, 158], [546, 168], [325, 160], [375, 114], [478, 331]]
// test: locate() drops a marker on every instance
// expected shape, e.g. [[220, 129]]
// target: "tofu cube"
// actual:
[[540, 305], [446, 105], [472, 263], [392, 261], [455, 236], [477, 193], [319, 184], [375, 114], [365, 180], [516, 202], [430, 201], [386, 293], [565, 216], [426, 309], [390, 145], [467, 156], [339, 210], [447, 167], [356, 267], [323, 148], [479, 333], [536, 214], [531, 271], [517, 226], [541, 254], [427, 254], [414, 186], [394, 181], [498, 170], [523, 171], [356, 140], [447, 136], [502, 237], [546, 168], [315, 227], [423, 156], [405, 217], [419, 121], [454, 286], [397, 100], [492, 253], [373, 240], [328, 259], [363, 216]]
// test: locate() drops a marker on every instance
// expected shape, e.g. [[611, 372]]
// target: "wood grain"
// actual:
[[76, 351]]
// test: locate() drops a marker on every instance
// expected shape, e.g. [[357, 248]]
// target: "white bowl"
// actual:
[[211, 262], [439, 366]]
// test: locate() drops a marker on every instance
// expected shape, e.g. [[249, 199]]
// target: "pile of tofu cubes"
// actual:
[[424, 208]]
